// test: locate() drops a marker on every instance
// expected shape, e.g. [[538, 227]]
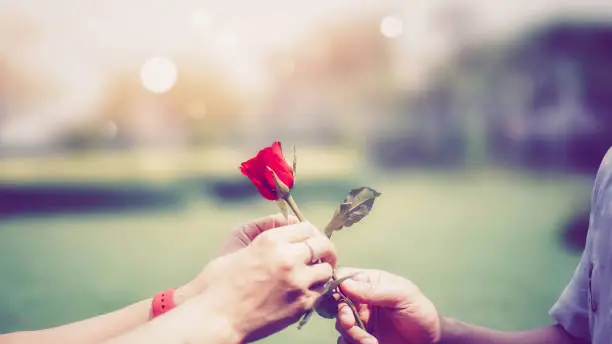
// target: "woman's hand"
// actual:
[[242, 236], [239, 238], [267, 286]]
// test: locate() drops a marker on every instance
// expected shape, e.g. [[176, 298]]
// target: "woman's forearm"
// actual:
[[194, 322], [96, 329], [457, 332], [91, 330]]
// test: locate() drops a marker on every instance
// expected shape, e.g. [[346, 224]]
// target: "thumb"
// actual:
[[371, 294]]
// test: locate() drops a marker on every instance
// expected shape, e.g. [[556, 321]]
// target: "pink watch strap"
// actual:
[[163, 302]]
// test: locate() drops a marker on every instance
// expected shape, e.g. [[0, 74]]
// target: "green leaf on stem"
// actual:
[[355, 207]]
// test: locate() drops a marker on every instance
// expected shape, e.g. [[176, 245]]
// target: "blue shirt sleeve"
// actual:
[[572, 308]]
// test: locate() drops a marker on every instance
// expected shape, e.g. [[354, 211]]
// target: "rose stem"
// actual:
[[295, 208], [344, 298]]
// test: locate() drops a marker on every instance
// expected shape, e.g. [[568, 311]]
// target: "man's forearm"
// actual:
[[457, 332]]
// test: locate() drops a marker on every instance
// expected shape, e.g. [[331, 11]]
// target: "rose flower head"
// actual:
[[269, 172]]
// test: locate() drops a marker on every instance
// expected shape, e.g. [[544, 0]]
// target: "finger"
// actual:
[[317, 274], [362, 275], [365, 312], [358, 336], [342, 340], [317, 248], [310, 297], [345, 318], [348, 329], [294, 233], [368, 293], [292, 220], [243, 235], [250, 231], [346, 325]]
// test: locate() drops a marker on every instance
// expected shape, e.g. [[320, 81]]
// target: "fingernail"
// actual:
[[346, 311]]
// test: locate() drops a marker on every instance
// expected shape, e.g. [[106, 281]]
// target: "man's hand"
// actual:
[[393, 309]]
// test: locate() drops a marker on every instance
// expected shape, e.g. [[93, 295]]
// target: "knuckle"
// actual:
[[294, 282], [310, 230], [293, 220], [295, 286], [316, 234], [329, 270], [264, 240], [333, 254], [269, 237], [305, 302], [284, 260], [328, 250]]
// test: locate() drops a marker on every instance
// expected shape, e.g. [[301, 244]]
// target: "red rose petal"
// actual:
[[257, 169]]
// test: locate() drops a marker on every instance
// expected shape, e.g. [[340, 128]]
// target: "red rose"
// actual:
[[262, 168]]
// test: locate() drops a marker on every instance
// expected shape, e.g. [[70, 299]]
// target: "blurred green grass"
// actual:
[[482, 244]]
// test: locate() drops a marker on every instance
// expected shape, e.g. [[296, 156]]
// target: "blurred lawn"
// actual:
[[483, 245], [160, 166]]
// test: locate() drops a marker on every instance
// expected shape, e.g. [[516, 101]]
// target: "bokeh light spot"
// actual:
[[391, 27], [158, 74]]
